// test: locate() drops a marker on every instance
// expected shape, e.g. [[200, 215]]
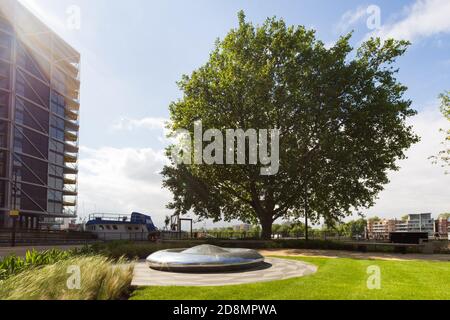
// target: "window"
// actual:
[[57, 123], [56, 146], [115, 228], [55, 183], [20, 117], [18, 141], [4, 105], [56, 196], [56, 171], [57, 109], [5, 53], [58, 104], [57, 133], [20, 85], [56, 158]]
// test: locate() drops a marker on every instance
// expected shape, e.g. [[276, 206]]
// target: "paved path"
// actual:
[[353, 255], [21, 251], [275, 269]]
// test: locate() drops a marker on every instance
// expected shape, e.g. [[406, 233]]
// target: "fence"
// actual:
[[316, 235], [38, 237]]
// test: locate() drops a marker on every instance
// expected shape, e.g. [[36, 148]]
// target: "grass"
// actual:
[[337, 279], [100, 279]]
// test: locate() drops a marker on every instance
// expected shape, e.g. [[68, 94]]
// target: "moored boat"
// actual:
[[109, 227]]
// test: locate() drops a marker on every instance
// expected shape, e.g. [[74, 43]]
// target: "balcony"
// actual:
[[73, 105], [70, 192], [70, 158], [70, 169], [71, 115], [69, 212], [69, 181], [71, 147], [71, 136], [68, 203], [72, 125]]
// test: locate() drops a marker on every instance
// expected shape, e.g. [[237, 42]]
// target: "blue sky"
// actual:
[[134, 51]]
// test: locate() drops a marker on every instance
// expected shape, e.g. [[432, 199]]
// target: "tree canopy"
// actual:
[[341, 116], [444, 155]]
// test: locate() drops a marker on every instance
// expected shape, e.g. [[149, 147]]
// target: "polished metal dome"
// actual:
[[205, 258]]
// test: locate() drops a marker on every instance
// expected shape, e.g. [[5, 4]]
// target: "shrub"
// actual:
[[13, 265], [101, 279], [141, 250]]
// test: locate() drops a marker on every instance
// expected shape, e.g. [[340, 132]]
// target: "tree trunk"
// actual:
[[306, 227], [266, 225], [306, 213]]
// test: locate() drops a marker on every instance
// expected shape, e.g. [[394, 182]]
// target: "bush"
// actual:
[[141, 250], [101, 279], [13, 265], [134, 250]]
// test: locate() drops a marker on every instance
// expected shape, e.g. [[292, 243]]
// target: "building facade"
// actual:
[[242, 228], [39, 121], [443, 227], [422, 222], [380, 230]]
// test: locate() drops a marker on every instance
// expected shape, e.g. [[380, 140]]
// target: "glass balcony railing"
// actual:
[[70, 191], [70, 181], [70, 158], [70, 169], [69, 211], [68, 203], [71, 136]]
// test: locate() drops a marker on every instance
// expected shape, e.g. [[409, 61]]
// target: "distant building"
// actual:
[[423, 222], [443, 227], [242, 228], [380, 230]]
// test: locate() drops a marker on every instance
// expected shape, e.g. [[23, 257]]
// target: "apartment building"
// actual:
[[380, 230], [39, 121], [423, 222], [443, 227]]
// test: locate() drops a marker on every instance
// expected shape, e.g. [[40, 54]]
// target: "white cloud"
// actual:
[[422, 19], [419, 186], [351, 18], [144, 123], [121, 181]]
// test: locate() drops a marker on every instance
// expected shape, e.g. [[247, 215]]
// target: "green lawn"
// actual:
[[336, 279]]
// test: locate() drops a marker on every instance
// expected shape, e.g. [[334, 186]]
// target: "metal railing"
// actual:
[[45, 237]]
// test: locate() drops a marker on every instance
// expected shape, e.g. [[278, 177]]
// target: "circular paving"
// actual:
[[273, 269]]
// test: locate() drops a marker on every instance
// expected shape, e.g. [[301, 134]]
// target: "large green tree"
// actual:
[[341, 118], [444, 155]]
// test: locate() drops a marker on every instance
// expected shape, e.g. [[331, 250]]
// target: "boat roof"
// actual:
[[114, 222]]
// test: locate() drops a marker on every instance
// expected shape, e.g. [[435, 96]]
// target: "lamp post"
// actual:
[[14, 214]]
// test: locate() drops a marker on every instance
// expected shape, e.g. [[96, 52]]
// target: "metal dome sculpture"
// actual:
[[205, 258]]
